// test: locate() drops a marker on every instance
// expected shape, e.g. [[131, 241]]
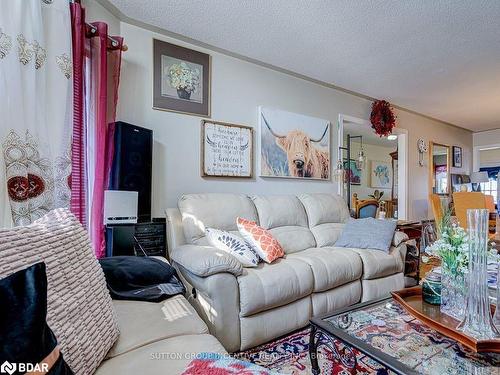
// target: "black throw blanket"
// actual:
[[140, 278]]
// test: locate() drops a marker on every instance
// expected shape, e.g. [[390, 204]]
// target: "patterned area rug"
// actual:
[[290, 355]]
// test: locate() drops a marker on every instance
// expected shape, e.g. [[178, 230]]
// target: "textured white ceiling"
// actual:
[[440, 58]]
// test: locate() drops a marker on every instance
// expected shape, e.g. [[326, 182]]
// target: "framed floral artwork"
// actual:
[[181, 79]]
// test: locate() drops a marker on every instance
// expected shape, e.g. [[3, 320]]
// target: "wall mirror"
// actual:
[[372, 168], [439, 168]]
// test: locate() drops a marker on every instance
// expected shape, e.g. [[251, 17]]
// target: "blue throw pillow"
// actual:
[[367, 233]]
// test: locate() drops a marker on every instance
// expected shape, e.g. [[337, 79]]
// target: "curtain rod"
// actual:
[[93, 31], [114, 43]]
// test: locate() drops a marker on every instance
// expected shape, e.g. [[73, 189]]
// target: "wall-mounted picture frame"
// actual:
[[457, 156], [293, 145], [354, 174], [226, 150], [380, 174], [181, 79]]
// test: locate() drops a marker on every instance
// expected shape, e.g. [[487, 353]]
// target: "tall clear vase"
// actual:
[[477, 321], [496, 317]]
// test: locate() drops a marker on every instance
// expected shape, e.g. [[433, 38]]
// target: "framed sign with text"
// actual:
[[226, 150]]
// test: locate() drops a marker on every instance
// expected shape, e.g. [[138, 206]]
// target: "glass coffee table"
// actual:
[[385, 332]]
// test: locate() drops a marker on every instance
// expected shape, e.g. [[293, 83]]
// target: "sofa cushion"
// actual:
[[327, 234], [324, 208], [169, 356], [143, 323], [377, 264], [272, 285], [285, 217], [234, 245], [368, 233], [261, 240], [214, 210], [79, 308], [326, 214], [331, 267]]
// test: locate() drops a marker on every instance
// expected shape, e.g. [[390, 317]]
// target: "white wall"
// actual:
[[96, 12], [238, 88]]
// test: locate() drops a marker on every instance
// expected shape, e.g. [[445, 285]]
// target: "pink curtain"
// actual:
[[93, 129], [77, 180]]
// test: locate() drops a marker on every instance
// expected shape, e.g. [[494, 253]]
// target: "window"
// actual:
[[490, 188]]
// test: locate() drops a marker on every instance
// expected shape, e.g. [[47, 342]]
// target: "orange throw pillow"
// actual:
[[261, 240]]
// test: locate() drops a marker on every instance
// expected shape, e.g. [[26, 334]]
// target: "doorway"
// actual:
[[385, 166]]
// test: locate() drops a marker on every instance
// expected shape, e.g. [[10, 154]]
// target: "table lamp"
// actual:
[[476, 178]]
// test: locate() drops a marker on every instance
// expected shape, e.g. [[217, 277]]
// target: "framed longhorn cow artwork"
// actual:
[[226, 150], [293, 145]]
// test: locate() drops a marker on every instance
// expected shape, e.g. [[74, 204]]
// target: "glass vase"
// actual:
[[453, 294], [477, 321], [496, 317]]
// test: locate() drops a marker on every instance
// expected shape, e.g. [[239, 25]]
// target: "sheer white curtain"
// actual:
[[35, 108]]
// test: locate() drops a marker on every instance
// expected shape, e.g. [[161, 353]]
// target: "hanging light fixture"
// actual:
[[338, 174], [361, 160]]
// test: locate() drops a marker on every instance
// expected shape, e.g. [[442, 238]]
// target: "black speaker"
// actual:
[[132, 163]]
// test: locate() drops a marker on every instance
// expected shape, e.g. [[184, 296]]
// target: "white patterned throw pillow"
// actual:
[[233, 245]]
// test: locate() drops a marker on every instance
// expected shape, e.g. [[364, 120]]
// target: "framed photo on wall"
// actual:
[[181, 79], [457, 156], [226, 150]]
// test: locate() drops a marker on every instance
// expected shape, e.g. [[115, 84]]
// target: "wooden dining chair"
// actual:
[[464, 201], [490, 202], [490, 205], [437, 207], [364, 208]]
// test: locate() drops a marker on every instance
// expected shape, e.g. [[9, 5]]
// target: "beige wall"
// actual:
[[429, 130], [238, 88]]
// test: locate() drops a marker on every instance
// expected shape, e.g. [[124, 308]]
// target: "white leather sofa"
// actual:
[[245, 307]]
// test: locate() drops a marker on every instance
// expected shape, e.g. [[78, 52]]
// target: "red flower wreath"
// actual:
[[382, 118]]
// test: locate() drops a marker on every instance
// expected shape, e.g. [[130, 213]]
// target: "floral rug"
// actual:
[[290, 355]]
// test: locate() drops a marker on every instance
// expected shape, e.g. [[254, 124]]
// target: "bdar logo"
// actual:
[[8, 368]]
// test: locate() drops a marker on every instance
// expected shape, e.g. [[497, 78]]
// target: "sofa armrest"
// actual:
[[399, 237], [204, 261]]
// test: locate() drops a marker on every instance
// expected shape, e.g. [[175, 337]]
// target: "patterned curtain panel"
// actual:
[[35, 109]]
